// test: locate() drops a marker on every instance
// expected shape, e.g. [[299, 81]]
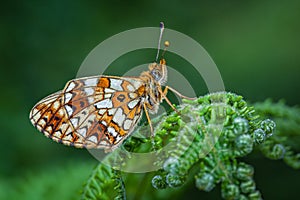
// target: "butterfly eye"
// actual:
[[156, 74]]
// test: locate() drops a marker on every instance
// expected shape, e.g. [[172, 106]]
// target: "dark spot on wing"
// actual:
[[121, 97]]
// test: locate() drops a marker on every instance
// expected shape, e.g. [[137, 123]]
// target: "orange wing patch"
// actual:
[[103, 82], [93, 112]]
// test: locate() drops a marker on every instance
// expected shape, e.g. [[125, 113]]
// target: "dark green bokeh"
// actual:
[[255, 45]]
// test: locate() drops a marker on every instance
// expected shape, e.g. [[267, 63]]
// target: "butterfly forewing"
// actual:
[[92, 112]]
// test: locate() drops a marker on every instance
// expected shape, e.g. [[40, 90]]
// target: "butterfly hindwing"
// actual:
[[92, 112]]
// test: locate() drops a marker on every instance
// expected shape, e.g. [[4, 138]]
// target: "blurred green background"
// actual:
[[255, 45]]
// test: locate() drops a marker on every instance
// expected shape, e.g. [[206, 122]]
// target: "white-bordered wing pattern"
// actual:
[[92, 112]]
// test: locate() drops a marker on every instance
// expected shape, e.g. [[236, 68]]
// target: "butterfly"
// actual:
[[101, 111]]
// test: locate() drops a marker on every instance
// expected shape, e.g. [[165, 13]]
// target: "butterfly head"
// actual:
[[159, 71]]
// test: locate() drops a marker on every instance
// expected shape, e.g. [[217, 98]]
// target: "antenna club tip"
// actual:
[[162, 25], [167, 43]]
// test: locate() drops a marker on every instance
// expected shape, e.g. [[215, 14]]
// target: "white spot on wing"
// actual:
[[91, 81], [56, 105], [66, 142], [106, 103], [64, 127], [36, 116], [136, 84], [132, 95], [127, 124], [74, 121], [130, 88], [42, 122], [61, 112], [118, 138], [93, 139], [67, 137], [101, 111], [104, 123], [55, 139], [46, 101], [136, 118], [88, 91], [108, 90], [33, 112], [107, 95], [82, 132], [90, 100], [68, 97], [69, 110], [111, 111], [112, 131], [40, 129], [49, 129], [68, 130], [119, 117], [70, 87], [133, 103], [57, 134], [116, 84]]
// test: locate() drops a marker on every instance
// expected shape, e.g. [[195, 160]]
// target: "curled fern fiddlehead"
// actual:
[[209, 136]]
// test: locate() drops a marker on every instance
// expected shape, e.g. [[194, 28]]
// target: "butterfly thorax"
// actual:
[[154, 79]]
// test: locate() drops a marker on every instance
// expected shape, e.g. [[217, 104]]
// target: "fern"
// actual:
[[209, 137], [104, 183], [281, 144]]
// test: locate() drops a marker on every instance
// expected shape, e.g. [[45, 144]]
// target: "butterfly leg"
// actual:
[[148, 118], [169, 102], [164, 95], [177, 93]]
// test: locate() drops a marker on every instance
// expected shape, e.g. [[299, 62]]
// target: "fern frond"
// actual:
[[206, 141], [104, 183], [284, 144]]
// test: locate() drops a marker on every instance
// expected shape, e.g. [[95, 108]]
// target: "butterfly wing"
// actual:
[[91, 112]]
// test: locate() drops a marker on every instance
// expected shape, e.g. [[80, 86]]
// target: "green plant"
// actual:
[[210, 135]]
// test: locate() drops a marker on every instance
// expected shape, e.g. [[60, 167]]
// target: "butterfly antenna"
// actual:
[[162, 27], [167, 44]]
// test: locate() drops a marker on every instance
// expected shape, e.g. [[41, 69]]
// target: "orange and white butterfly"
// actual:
[[101, 111]]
